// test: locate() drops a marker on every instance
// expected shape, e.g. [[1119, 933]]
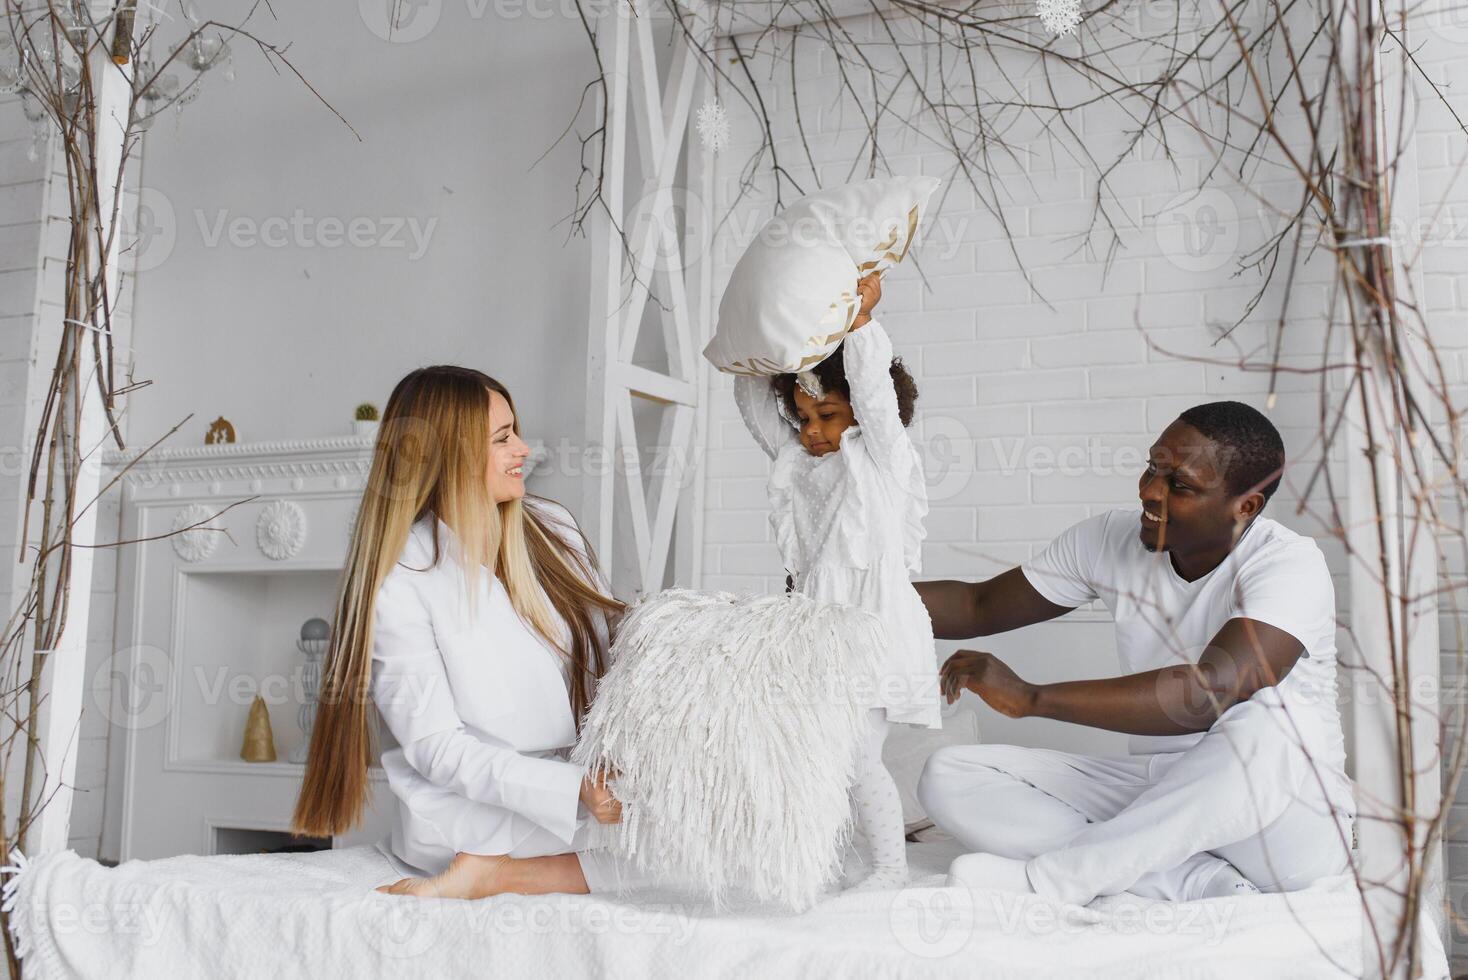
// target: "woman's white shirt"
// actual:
[[477, 708]]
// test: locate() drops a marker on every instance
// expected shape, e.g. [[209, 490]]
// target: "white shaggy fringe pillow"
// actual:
[[733, 725]]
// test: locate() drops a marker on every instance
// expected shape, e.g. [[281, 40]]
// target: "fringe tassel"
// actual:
[[9, 897], [733, 725]]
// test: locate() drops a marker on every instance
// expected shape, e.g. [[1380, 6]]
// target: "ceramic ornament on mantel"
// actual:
[[221, 431], [259, 743], [315, 638]]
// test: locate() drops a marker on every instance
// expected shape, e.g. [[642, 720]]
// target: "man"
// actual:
[[1225, 627]]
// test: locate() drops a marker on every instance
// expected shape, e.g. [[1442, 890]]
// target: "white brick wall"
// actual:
[[1441, 147], [23, 187], [33, 230], [1025, 379], [1008, 377]]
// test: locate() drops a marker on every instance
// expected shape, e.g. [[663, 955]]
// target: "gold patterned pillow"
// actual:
[[792, 295]]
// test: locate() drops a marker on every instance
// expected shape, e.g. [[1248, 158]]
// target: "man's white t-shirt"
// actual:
[[1273, 575]]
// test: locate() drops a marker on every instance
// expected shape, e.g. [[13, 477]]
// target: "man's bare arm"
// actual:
[[960, 610], [1243, 658]]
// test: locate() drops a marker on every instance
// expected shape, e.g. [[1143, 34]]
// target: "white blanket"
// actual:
[[315, 915]]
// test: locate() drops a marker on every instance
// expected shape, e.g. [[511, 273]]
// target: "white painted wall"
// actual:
[[263, 322], [284, 341]]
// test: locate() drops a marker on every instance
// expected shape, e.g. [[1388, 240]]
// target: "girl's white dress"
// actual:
[[849, 524]]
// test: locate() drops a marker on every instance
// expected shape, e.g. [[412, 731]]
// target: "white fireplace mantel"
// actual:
[[209, 618]]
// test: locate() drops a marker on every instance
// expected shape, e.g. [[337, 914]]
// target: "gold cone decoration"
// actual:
[[259, 740]]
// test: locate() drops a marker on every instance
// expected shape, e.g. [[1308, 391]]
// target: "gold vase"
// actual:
[[259, 740]]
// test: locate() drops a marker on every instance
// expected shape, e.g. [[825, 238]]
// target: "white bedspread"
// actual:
[[315, 915]]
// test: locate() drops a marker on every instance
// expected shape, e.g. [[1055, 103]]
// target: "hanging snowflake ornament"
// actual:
[[1060, 17], [713, 126]]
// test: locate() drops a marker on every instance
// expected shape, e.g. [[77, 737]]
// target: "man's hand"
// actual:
[[605, 807], [988, 677], [869, 288]]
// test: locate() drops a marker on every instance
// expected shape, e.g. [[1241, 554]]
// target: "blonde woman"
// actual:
[[475, 621]]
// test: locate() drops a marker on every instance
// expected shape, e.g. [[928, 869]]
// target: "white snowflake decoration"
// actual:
[[713, 126], [1060, 17]]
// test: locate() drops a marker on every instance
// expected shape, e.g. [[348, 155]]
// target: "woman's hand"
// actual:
[[988, 677], [869, 288], [605, 807]]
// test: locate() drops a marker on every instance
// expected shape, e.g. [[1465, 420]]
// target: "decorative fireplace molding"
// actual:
[[332, 462]]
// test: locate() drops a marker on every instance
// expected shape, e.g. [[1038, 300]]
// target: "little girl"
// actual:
[[848, 504]]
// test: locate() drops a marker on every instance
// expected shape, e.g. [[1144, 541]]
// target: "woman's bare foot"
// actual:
[[467, 876], [483, 875]]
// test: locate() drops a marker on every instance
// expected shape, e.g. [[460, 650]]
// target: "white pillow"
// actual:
[[792, 295]]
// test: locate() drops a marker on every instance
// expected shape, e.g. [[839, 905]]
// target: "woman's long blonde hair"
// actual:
[[432, 458]]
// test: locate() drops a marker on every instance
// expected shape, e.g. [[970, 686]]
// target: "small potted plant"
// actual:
[[365, 423]]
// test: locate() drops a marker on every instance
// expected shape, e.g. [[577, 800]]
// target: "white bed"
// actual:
[[316, 915]]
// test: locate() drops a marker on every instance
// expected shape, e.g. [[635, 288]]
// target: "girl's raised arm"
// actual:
[[868, 358], [756, 399]]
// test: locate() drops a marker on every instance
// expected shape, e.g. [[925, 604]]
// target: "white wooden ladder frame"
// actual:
[[660, 109]]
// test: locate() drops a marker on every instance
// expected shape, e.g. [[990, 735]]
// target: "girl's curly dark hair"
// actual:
[[832, 374]]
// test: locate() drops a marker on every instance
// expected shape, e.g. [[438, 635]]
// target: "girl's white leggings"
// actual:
[[879, 808]]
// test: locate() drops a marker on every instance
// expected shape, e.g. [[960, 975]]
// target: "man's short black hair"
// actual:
[[1254, 454]]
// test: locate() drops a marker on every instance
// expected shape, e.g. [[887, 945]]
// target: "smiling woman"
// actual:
[[505, 476], [481, 680]]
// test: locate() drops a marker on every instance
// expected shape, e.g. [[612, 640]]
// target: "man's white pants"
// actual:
[[1155, 825]]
